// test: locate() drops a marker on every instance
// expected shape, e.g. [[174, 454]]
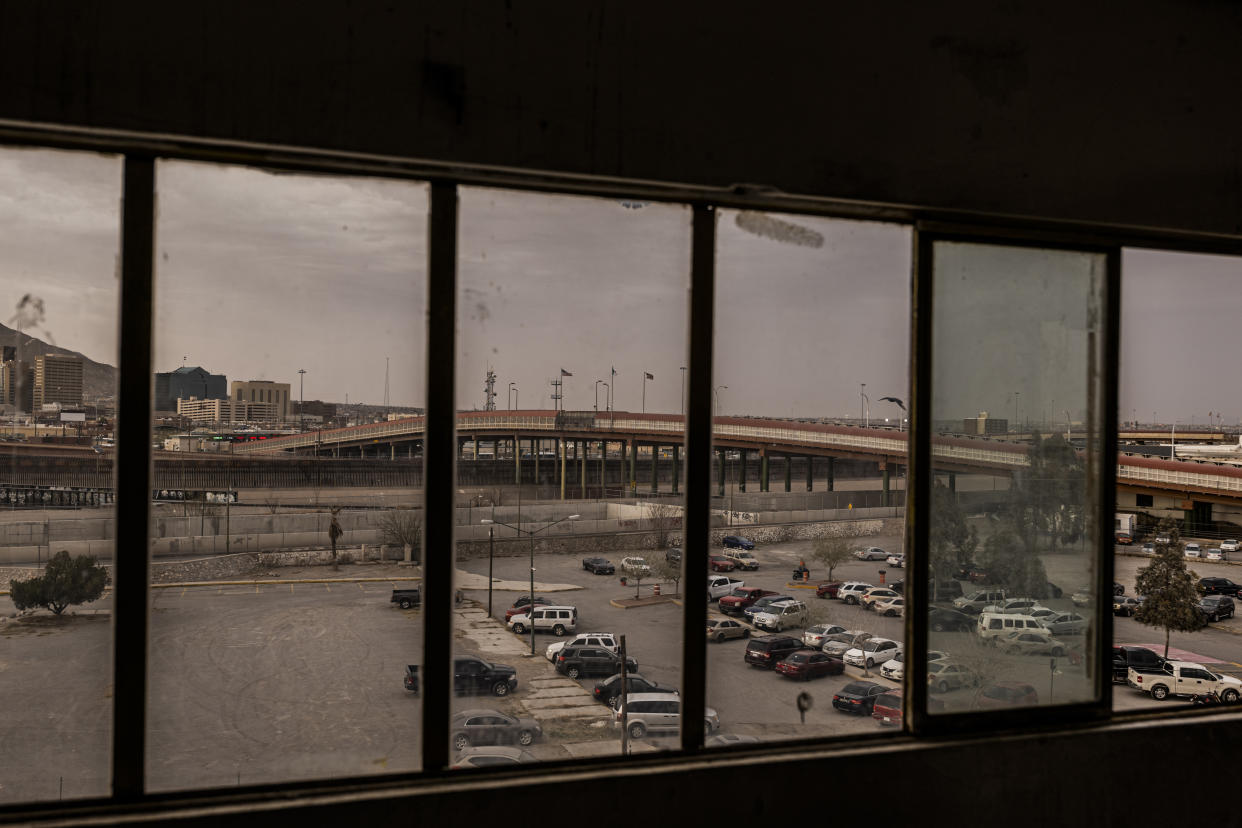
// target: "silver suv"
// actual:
[[658, 713], [852, 592], [593, 639]]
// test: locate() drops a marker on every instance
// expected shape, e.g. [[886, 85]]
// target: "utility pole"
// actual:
[[301, 397]]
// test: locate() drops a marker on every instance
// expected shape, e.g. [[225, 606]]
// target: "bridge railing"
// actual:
[[1169, 477]]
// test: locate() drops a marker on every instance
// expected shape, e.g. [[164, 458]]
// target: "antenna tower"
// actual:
[[489, 391]]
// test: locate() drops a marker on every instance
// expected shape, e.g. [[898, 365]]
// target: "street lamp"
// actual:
[[683, 392], [597, 382], [301, 397], [512, 388], [530, 608], [716, 391], [607, 396]]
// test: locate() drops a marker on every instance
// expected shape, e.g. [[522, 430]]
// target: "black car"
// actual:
[[591, 661], [491, 727], [598, 566], [672, 555], [858, 697], [472, 674], [767, 650], [608, 691], [941, 620], [1216, 607], [1219, 586], [1140, 658], [1125, 605], [737, 542]]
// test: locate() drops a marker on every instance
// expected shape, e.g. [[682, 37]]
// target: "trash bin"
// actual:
[[622, 580], [882, 573]]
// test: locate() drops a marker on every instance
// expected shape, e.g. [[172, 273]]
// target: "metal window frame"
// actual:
[[133, 471], [1100, 485]]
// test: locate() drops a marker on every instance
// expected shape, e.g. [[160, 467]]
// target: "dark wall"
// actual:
[[1090, 111]]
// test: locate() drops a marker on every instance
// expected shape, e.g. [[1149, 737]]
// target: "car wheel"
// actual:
[[637, 730], [500, 688], [573, 672], [1159, 692], [519, 628], [850, 599], [937, 627], [558, 630], [1229, 696], [405, 603], [870, 663], [525, 737], [1013, 650], [461, 741], [745, 633], [720, 636], [943, 687]]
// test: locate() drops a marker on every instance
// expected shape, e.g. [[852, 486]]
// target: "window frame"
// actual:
[[133, 471]]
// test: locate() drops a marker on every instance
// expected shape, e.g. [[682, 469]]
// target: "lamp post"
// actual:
[[1067, 425], [301, 397], [512, 388], [862, 387], [716, 391], [531, 534], [607, 396], [683, 392], [597, 382]]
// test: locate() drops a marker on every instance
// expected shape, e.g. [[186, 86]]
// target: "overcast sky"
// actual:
[[262, 274]]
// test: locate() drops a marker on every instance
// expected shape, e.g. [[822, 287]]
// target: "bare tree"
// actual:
[[402, 527], [666, 571], [334, 533], [831, 552], [663, 519]]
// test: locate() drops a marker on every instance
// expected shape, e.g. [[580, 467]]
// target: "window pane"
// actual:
[[1015, 419], [812, 319], [571, 335], [1172, 395], [289, 356], [59, 249]]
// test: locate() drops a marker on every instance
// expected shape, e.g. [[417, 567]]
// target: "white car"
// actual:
[[1032, 643], [943, 676], [1193, 550], [1229, 545], [895, 668], [872, 652], [853, 591], [1213, 553], [594, 639], [871, 553], [782, 614], [635, 565], [838, 643], [1065, 623], [897, 561], [1044, 613], [1012, 606], [816, 635], [874, 594], [892, 607]]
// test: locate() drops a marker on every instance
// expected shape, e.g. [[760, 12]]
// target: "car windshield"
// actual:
[[1001, 693], [798, 657], [740, 592], [855, 689]]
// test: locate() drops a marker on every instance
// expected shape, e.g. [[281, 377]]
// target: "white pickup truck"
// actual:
[[1184, 678], [719, 586]]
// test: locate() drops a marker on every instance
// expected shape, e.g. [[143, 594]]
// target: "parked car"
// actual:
[[872, 652], [635, 565], [472, 674], [1032, 643], [887, 708], [1216, 607], [1008, 694], [827, 589], [1126, 605], [491, 727], [761, 605], [949, 620], [767, 651], [720, 629], [840, 643], [897, 561], [736, 602], [737, 542], [718, 586], [1012, 606], [1230, 545], [407, 598], [1065, 623], [593, 639], [891, 607], [1141, 659], [608, 691], [598, 566], [1149, 548], [557, 620], [868, 598], [870, 553], [1213, 553], [521, 605], [1185, 678], [492, 756], [658, 713], [809, 664], [852, 592], [976, 600], [719, 563], [591, 661], [672, 555], [945, 675], [781, 615], [742, 559], [1219, 586], [895, 668], [1192, 550], [1123, 538], [814, 636], [858, 697]]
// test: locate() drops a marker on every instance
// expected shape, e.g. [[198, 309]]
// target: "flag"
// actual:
[[648, 376], [565, 373]]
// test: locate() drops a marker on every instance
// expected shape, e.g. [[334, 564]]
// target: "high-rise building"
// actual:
[[17, 384], [263, 391], [57, 381], [188, 382]]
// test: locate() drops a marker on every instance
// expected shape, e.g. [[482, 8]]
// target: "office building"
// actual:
[[17, 384], [57, 381], [264, 391], [187, 382]]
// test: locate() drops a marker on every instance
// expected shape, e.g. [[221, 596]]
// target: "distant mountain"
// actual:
[[98, 379]]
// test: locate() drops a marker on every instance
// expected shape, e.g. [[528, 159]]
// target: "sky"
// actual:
[[261, 274]]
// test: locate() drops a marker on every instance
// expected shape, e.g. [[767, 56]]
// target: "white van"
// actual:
[[556, 620], [993, 625]]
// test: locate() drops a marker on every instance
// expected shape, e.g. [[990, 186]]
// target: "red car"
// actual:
[[887, 709], [807, 664], [741, 598], [827, 589], [521, 605], [1008, 694], [717, 563]]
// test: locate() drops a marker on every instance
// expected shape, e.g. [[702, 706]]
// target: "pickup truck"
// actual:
[[1185, 678], [740, 598], [1141, 659], [719, 586], [471, 675], [407, 598]]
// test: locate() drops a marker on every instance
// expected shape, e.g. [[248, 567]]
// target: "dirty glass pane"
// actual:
[[1178, 462], [812, 321], [571, 337], [58, 331], [1015, 420], [289, 388]]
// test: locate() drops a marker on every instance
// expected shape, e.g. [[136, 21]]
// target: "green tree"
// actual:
[[1014, 566], [1169, 589], [831, 553], [65, 581], [950, 540]]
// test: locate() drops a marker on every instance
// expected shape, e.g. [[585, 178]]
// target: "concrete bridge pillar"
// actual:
[[582, 466], [810, 472], [676, 451], [517, 460], [392, 451], [534, 456], [789, 472], [743, 455], [953, 482], [831, 481], [884, 496], [561, 444], [655, 468], [721, 465], [763, 471], [633, 487], [603, 464]]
